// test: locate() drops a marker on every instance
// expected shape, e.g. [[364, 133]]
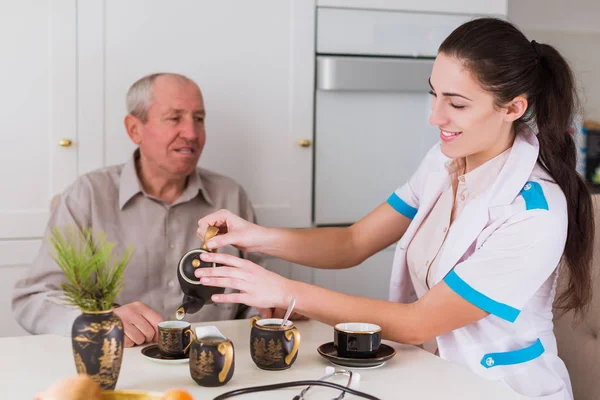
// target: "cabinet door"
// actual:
[[253, 60], [37, 111], [369, 279]]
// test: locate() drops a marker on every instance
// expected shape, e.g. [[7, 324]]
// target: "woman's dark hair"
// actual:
[[508, 65]]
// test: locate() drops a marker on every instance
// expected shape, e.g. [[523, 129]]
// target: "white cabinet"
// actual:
[[254, 64], [38, 109]]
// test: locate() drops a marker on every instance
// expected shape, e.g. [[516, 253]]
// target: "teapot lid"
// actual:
[[189, 263]]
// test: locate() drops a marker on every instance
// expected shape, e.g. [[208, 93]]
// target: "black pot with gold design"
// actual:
[[272, 346], [212, 357], [195, 295], [97, 339]]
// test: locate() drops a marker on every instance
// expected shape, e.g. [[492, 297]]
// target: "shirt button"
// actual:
[[171, 284], [461, 178], [489, 362], [527, 186], [445, 229], [427, 263], [462, 197], [172, 246]]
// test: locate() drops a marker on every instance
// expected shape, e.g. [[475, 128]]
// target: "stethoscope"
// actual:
[[309, 383]]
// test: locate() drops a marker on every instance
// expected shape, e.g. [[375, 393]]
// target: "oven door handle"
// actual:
[[373, 74]]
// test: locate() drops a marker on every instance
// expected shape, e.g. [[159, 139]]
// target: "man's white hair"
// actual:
[[139, 96]]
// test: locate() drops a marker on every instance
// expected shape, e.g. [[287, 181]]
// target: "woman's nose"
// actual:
[[438, 117]]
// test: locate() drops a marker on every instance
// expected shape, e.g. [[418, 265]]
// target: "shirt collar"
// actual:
[[130, 184], [481, 178]]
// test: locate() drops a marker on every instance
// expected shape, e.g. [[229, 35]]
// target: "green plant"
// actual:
[[93, 277]]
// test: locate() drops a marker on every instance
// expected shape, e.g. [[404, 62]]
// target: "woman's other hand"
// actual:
[[258, 287]]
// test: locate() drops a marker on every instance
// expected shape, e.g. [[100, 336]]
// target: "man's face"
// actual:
[[173, 137]]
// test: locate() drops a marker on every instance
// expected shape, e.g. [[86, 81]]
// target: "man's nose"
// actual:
[[189, 130]]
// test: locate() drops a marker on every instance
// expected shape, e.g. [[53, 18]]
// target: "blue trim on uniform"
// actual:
[[400, 205], [474, 297], [534, 196], [513, 357]]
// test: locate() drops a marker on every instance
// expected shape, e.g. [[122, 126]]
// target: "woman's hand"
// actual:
[[258, 287], [233, 230]]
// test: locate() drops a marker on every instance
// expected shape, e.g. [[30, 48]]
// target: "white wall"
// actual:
[[573, 27], [556, 15]]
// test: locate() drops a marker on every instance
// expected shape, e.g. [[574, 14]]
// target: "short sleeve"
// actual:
[[513, 263], [405, 199]]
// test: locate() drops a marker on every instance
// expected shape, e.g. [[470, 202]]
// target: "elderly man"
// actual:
[[152, 202]]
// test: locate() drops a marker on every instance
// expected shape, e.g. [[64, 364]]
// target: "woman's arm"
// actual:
[[330, 248], [335, 248], [440, 310]]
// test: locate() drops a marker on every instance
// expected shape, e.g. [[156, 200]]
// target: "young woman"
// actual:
[[481, 226]]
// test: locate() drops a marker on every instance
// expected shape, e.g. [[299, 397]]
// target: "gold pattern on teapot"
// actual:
[[203, 365], [267, 353]]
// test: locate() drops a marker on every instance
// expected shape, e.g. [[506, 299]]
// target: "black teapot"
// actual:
[[195, 295]]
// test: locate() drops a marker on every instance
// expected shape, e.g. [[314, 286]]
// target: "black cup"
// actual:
[[357, 339], [174, 338]]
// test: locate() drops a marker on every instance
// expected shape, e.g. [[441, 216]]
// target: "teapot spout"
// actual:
[[190, 305]]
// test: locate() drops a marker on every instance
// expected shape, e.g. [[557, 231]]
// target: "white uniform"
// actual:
[[501, 255]]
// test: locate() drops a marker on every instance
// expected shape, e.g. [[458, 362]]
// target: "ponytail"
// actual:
[[553, 105]]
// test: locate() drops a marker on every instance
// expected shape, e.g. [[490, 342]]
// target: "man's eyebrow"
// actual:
[[449, 94], [173, 111], [181, 111]]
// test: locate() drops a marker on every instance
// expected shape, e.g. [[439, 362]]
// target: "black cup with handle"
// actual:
[[357, 339]]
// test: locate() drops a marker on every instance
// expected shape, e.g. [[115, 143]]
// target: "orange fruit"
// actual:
[[177, 394]]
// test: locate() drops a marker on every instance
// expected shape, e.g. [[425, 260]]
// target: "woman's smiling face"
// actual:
[[470, 123]]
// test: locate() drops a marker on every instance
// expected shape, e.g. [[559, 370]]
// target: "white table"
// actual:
[[30, 364]]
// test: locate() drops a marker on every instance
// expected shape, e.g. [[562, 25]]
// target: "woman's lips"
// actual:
[[448, 136]]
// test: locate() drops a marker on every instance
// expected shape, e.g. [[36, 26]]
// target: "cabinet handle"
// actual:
[[65, 142], [304, 143]]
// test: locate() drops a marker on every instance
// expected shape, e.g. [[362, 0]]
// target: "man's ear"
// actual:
[[516, 108], [134, 128]]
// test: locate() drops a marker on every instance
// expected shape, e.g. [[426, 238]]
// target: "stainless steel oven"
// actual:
[[372, 105]]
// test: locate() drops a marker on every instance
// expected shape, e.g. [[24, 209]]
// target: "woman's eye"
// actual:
[[431, 92], [457, 106]]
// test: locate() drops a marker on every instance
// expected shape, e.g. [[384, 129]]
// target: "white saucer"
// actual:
[[357, 367]]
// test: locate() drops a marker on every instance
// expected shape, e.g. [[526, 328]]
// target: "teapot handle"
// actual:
[[226, 349], [296, 335]]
